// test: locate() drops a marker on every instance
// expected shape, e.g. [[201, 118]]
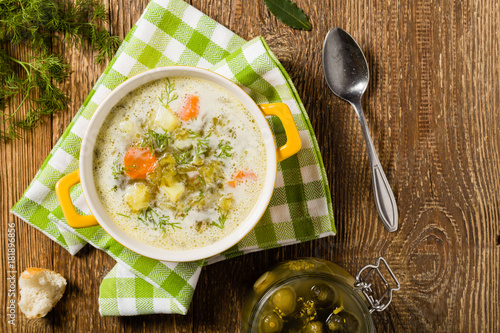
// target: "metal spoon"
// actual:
[[347, 75]]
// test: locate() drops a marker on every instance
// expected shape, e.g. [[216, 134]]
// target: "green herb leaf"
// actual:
[[34, 22], [154, 140], [119, 169], [186, 211], [34, 80], [170, 95], [39, 76], [200, 181], [149, 216], [204, 142], [184, 157], [220, 221], [225, 150], [288, 12], [193, 134], [202, 146]]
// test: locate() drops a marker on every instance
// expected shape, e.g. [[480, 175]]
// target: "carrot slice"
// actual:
[[139, 162], [191, 108], [242, 175]]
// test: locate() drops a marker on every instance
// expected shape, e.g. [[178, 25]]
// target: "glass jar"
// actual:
[[315, 295]]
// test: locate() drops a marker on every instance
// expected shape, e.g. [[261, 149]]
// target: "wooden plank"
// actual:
[[432, 109]]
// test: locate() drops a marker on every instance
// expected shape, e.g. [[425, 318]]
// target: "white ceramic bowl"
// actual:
[[273, 156]]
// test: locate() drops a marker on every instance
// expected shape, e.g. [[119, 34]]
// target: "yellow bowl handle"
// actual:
[[74, 219], [293, 142]]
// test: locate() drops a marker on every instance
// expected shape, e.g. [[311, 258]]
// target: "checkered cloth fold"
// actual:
[[171, 32]]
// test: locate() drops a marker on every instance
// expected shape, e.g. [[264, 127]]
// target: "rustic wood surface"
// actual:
[[432, 107]]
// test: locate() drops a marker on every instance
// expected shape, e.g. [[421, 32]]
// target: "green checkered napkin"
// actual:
[[172, 32]]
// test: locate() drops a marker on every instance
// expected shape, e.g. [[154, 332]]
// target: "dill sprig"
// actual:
[[201, 195], [204, 141], [200, 181], [170, 95], [202, 146], [183, 157], [185, 213], [193, 134], [119, 169], [35, 79], [225, 150], [150, 216], [154, 140], [220, 221]]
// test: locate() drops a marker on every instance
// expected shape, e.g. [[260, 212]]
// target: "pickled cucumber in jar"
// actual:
[[284, 300], [309, 306], [271, 323]]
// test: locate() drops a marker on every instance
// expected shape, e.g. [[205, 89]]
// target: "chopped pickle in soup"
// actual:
[[179, 163]]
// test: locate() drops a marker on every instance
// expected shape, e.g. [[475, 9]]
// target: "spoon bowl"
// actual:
[[347, 75], [344, 64]]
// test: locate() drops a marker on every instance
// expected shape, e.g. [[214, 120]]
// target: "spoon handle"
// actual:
[[383, 196]]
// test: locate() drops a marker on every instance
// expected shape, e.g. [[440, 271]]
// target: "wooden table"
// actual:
[[432, 106]]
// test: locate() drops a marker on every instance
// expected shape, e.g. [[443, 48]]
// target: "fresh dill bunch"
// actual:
[[35, 79], [39, 73], [79, 23], [34, 22], [23, 21], [9, 81]]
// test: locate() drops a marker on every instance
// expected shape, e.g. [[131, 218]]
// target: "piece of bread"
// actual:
[[40, 289]]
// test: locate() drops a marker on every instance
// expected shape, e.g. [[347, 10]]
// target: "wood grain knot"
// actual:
[[427, 259]]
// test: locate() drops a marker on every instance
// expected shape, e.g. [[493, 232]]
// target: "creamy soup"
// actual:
[[179, 163]]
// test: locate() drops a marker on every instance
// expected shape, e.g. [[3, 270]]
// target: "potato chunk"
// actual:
[[166, 119], [137, 197], [173, 192]]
